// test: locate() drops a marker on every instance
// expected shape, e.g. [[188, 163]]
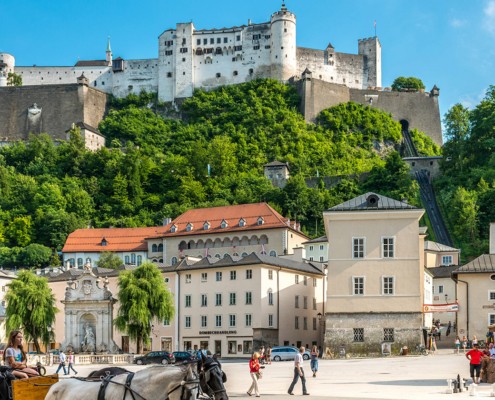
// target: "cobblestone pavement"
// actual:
[[409, 377]]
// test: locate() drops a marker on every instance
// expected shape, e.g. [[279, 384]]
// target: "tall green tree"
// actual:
[[143, 297], [31, 308], [403, 84], [14, 79]]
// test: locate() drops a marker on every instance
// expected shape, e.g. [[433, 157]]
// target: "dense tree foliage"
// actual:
[[14, 79], [158, 165], [31, 308], [410, 84], [143, 297]]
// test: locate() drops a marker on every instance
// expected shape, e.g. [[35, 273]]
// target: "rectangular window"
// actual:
[[183, 50], [296, 322], [270, 298], [388, 334], [388, 248], [358, 248], [311, 248], [305, 302], [232, 347], [188, 322], [256, 47], [248, 319], [204, 300], [238, 37], [491, 295], [315, 325], [314, 303], [447, 260], [204, 321], [232, 320], [225, 40], [232, 299], [249, 274], [270, 320], [188, 300], [204, 276], [237, 48], [296, 301], [491, 319], [218, 321], [205, 41], [219, 40], [321, 247], [188, 278], [358, 285], [212, 40], [249, 298], [358, 334], [233, 275], [305, 323], [305, 279], [440, 289], [315, 282], [198, 42], [247, 347], [296, 279], [218, 276], [321, 259], [388, 285], [270, 274], [218, 299]]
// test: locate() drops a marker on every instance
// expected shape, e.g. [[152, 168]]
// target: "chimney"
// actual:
[[166, 221]]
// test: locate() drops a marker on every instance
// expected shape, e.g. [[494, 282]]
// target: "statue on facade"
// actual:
[[88, 344]]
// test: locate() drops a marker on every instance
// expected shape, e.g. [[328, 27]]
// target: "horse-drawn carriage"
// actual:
[[184, 382]]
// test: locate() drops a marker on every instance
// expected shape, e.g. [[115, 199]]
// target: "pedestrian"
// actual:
[[474, 341], [464, 343], [254, 371], [474, 356], [433, 346], [457, 344], [314, 360], [491, 349], [449, 327], [70, 361], [61, 363], [269, 355], [298, 373]]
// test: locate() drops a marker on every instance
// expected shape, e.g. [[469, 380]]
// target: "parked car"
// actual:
[[183, 356], [155, 357], [284, 353]]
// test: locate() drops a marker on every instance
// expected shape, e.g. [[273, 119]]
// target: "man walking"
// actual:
[[474, 356], [298, 372], [62, 359]]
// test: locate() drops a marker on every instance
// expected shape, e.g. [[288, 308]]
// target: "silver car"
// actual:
[[284, 353]]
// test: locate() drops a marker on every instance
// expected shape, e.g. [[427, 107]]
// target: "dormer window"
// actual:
[[206, 226], [173, 228], [104, 242], [189, 227], [260, 221], [242, 222], [224, 224]]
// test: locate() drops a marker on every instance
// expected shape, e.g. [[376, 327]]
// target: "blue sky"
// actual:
[[449, 43]]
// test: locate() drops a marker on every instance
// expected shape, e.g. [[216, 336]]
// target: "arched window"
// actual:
[[244, 254], [273, 253], [71, 262], [88, 260], [160, 247], [139, 260], [217, 256], [160, 260], [79, 262], [133, 258], [127, 260], [174, 260], [154, 248]]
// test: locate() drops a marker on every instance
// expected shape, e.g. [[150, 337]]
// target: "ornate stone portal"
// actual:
[[89, 314]]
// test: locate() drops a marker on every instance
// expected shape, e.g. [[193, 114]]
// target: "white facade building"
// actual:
[[189, 58]]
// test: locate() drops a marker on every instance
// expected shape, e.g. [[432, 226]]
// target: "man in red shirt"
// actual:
[[474, 356]]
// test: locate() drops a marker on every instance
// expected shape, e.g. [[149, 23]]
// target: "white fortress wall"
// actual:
[[137, 75], [166, 71], [57, 75]]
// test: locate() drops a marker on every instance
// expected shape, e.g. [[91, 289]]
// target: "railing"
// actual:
[[83, 359]]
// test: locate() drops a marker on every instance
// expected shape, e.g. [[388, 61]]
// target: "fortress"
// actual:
[[208, 58]]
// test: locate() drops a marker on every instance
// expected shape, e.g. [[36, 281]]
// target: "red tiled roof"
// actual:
[[118, 239], [232, 215]]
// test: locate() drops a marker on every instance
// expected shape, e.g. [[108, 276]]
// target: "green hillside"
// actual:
[[160, 162]]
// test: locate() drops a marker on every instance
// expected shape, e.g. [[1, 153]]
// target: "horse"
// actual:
[[104, 372], [211, 378], [153, 383]]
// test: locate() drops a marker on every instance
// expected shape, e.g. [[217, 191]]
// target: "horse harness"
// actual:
[[206, 373], [127, 385]]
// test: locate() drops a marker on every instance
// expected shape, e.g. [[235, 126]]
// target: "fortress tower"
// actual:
[[7, 64], [283, 44], [371, 49]]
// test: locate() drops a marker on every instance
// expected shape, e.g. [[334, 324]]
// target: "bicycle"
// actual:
[[422, 350]]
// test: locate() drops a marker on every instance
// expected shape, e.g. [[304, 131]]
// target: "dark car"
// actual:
[[183, 356], [155, 357]]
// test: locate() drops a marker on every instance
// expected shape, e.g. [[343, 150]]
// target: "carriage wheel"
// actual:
[[42, 370]]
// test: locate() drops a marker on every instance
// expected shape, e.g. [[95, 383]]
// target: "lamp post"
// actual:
[[320, 334]]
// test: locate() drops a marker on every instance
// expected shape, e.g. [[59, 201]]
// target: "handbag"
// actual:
[[258, 375]]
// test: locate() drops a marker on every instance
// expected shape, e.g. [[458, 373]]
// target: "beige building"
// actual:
[[229, 307], [375, 275], [476, 296]]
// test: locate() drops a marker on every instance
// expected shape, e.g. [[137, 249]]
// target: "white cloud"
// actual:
[[457, 23], [489, 16]]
